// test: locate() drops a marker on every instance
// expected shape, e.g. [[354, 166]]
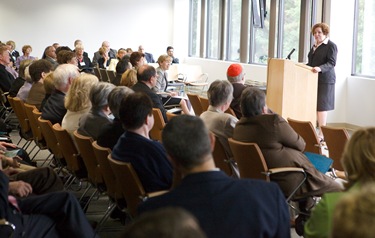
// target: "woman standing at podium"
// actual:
[[322, 57]]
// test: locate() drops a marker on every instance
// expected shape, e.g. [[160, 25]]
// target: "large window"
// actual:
[[213, 29], [234, 30], [194, 33], [260, 45], [230, 33], [364, 48], [291, 26]]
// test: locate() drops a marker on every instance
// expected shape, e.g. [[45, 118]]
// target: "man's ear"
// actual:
[[212, 140]]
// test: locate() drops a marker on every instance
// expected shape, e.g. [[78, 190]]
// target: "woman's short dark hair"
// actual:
[[253, 100], [323, 26], [122, 66], [135, 57]]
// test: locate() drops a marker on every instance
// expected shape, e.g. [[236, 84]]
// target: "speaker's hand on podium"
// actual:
[[316, 69]]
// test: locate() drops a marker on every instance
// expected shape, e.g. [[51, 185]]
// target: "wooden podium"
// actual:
[[292, 90]]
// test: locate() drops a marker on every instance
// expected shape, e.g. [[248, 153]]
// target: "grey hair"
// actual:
[[115, 98], [220, 92], [237, 78], [99, 94], [63, 73]]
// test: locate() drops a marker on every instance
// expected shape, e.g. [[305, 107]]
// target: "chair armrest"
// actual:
[[153, 194], [285, 169]]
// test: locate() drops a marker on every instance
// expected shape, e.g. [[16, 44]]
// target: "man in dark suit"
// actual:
[[148, 56], [224, 207], [147, 78], [111, 53]]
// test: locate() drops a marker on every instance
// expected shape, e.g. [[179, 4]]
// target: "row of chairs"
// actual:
[[85, 161], [105, 75], [200, 104], [335, 139]]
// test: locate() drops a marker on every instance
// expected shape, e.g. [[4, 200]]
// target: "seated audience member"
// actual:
[[38, 71], [358, 160], [84, 62], [129, 78], [23, 93], [77, 101], [56, 45], [167, 97], [98, 116], [149, 58], [220, 94], [14, 54], [54, 109], [129, 51], [147, 157], [121, 67], [354, 215], [49, 88], [20, 80], [50, 55], [104, 60], [61, 48], [56, 214], [111, 52], [147, 78], [171, 222], [6, 77], [170, 52], [137, 59], [281, 147], [80, 43], [119, 56], [204, 190], [110, 133], [26, 50], [236, 77], [67, 57]]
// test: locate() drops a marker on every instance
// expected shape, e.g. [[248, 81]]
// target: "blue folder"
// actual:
[[321, 162]]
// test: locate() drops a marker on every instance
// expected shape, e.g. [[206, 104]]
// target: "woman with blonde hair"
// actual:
[[129, 78], [77, 101], [358, 161]]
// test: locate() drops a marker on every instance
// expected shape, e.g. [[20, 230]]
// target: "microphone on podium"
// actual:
[[290, 54]]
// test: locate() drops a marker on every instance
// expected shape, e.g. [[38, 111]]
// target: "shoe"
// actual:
[[300, 223]]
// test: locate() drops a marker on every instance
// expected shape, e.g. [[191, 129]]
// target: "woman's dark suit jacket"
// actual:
[[324, 57], [282, 147]]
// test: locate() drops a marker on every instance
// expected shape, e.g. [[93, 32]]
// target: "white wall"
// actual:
[[157, 24], [40, 23]]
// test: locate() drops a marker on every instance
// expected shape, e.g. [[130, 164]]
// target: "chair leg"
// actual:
[[111, 207]]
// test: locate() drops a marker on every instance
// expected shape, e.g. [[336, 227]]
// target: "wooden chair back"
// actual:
[[101, 154], [97, 73], [336, 139], [221, 158], [84, 144], [34, 125], [250, 160], [21, 115], [73, 160], [104, 75], [204, 102], [128, 184], [195, 103], [230, 111], [159, 124], [308, 133], [111, 75], [49, 136]]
